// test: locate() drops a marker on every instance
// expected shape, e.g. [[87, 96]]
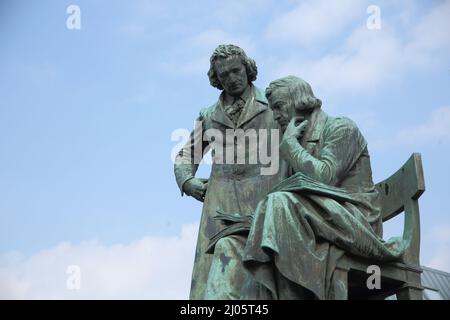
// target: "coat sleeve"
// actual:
[[189, 157], [340, 149]]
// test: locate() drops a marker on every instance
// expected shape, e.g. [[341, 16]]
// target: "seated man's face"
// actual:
[[281, 105], [232, 75]]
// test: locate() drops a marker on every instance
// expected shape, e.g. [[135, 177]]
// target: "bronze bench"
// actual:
[[399, 193]]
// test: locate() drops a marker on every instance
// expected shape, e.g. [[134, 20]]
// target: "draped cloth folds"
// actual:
[[302, 228], [328, 207]]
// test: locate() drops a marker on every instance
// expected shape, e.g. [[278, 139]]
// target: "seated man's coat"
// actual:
[[326, 206]]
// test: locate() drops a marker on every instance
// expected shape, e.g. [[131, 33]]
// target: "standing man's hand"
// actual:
[[196, 188]]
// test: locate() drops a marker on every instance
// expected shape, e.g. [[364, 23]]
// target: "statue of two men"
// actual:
[[294, 225]]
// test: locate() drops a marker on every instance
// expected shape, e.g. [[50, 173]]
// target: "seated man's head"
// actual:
[[231, 70], [291, 97]]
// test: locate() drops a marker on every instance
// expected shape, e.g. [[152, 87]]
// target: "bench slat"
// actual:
[[406, 184]]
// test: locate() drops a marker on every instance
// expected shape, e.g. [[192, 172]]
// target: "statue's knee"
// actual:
[[279, 200], [279, 196]]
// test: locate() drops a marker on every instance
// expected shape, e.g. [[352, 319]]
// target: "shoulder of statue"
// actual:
[[336, 123], [260, 95], [205, 113], [346, 127]]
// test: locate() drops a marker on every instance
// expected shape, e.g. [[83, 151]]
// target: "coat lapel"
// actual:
[[314, 131], [257, 104], [219, 116]]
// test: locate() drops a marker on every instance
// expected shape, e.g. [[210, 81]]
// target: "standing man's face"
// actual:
[[232, 75], [281, 105]]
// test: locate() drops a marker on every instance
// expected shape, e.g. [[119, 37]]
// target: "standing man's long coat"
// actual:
[[231, 187]]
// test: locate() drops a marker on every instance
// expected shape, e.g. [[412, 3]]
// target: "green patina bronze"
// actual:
[[288, 235], [230, 187]]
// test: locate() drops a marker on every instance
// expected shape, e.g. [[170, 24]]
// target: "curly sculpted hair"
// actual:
[[226, 51]]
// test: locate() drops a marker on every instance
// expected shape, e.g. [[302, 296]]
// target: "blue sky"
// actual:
[[86, 118]]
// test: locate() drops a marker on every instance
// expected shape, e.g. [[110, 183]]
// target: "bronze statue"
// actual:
[[234, 185], [326, 205]]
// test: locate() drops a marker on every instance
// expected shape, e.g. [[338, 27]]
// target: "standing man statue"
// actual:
[[234, 185]]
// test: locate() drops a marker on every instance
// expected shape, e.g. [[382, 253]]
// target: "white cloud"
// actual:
[[441, 256], [211, 38], [207, 41], [435, 129], [430, 35], [367, 58], [314, 21], [150, 268], [201, 46], [441, 259], [364, 61], [441, 234]]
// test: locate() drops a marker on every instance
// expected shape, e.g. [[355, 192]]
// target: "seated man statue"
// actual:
[[325, 207]]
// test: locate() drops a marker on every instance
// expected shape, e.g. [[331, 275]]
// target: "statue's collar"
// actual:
[[316, 125], [250, 111], [225, 99]]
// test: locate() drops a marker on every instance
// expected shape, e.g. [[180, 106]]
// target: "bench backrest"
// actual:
[[404, 186]]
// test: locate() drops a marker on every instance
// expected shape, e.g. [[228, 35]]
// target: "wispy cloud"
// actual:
[[430, 36], [441, 255], [209, 39], [367, 58], [199, 48], [311, 22], [364, 61], [435, 129], [149, 268]]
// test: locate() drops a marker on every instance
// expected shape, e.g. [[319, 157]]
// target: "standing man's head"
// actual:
[[231, 70], [291, 97]]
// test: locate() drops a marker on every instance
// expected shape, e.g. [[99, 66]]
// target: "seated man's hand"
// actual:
[[196, 188], [294, 130]]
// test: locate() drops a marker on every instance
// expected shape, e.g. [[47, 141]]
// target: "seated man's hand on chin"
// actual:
[[295, 130]]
